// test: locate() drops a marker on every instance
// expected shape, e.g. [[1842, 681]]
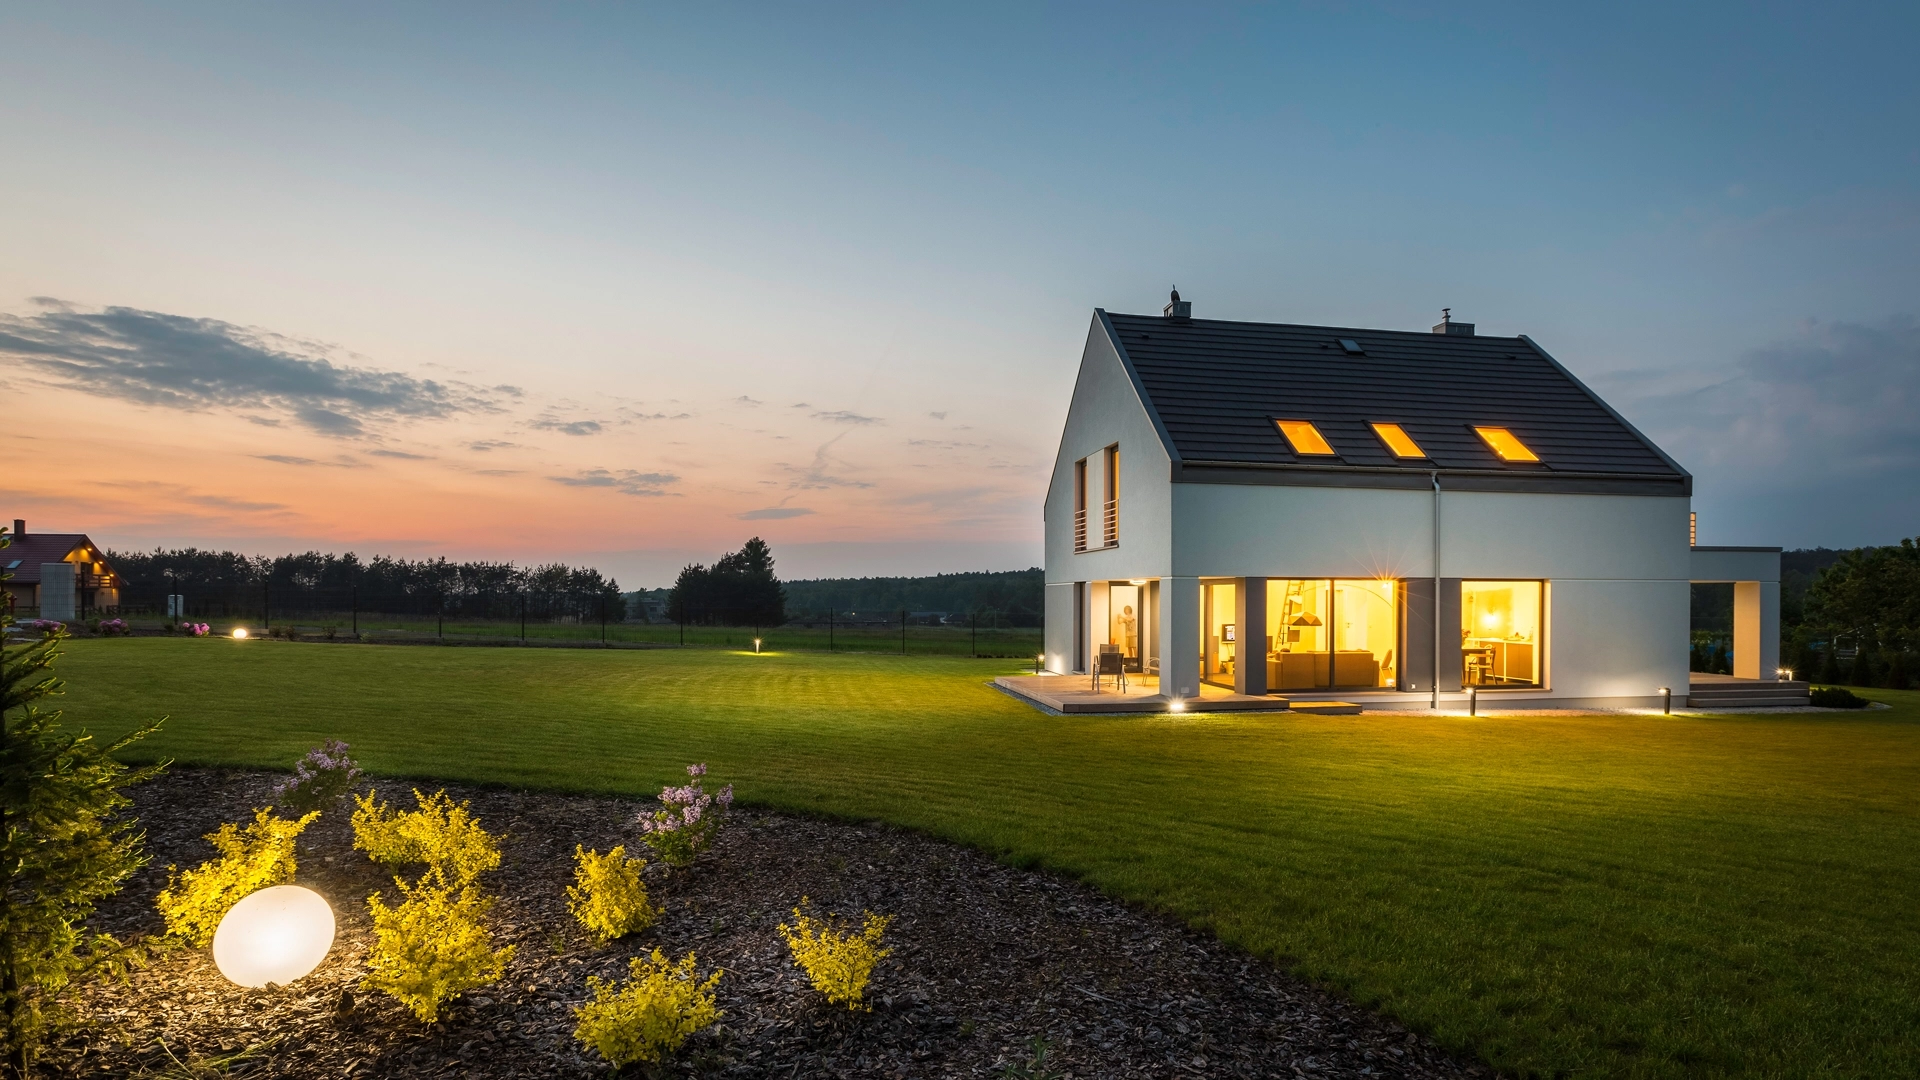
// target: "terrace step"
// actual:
[[1748, 695], [1324, 708]]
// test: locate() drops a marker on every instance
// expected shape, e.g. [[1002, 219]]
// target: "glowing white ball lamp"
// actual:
[[276, 935], [239, 633]]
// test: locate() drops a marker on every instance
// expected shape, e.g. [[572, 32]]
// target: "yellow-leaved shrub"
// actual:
[[839, 962], [431, 947], [251, 859], [440, 834], [607, 895], [650, 1014]]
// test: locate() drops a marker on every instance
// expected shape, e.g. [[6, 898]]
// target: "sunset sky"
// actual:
[[628, 285]]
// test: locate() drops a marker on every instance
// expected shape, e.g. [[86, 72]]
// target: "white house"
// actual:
[[1247, 510]]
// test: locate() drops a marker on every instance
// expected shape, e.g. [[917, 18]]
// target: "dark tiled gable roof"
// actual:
[[35, 548], [1218, 386]]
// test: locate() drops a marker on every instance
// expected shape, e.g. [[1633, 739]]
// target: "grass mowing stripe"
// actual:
[[1608, 895]]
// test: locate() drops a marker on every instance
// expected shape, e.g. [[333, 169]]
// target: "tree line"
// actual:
[[379, 583], [740, 589], [1017, 596], [1866, 604]]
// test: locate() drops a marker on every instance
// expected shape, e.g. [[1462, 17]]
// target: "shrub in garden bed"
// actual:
[[250, 859], [441, 835], [1836, 697], [320, 780], [650, 1014], [607, 895], [688, 817], [432, 946], [838, 962]]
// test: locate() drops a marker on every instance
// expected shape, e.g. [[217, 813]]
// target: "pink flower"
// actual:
[[697, 770]]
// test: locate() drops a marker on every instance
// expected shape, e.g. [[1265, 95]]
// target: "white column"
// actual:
[[1747, 633], [1756, 629], [1180, 637]]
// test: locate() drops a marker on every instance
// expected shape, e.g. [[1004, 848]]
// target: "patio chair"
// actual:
[[1110, 662]]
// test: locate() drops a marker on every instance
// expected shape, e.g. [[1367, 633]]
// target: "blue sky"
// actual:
[[823, 272]]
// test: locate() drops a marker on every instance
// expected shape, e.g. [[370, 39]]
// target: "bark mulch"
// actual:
[[996, 971]]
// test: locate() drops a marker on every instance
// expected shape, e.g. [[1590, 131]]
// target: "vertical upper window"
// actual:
[[1305, 439], [1505, 443], [1080, 505], [1110, 516], [1398, 441]]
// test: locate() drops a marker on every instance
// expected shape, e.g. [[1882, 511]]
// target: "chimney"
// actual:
[[19, 527], [1177, 309], [1446, 325]]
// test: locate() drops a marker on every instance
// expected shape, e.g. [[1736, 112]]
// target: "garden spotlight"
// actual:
[[1666, 700], [276, 935], [756, 646], [239, 633]]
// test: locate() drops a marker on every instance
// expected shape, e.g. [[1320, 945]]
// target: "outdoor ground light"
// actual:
[[1666, 700], [1037, 661], [239, 633], [1177, 705], [276, 935], [756, 646]]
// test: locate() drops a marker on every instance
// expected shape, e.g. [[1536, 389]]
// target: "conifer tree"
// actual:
[[65, 844]]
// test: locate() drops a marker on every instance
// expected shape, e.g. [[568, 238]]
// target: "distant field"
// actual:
[[1568, 896], [1017, 643]]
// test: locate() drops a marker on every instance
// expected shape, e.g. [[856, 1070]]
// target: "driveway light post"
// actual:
[[1666, 700]]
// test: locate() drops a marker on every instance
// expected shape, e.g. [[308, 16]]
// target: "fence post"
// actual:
[[266, 619], [440, 623], [976, 635], [903, 631], [603, 620], [523, 618], [356, 613], [829, 629]]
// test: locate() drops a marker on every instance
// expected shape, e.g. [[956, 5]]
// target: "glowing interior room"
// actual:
[[1258, 510]]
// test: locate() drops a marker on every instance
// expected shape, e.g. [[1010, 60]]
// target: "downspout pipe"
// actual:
[[1435, 689]]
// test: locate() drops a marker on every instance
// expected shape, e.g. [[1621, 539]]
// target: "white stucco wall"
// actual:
[[1617, 566]]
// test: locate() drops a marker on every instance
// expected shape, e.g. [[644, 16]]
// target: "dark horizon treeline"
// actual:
[[1867, 603], [1846, 616], [328, 581], [1018, 597], [739, 589]]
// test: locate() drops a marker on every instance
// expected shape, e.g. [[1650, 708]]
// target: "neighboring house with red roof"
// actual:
[[57, 575]]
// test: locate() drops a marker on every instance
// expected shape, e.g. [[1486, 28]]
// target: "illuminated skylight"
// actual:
[[1502, 442], [1305, 439], [1398, 441]]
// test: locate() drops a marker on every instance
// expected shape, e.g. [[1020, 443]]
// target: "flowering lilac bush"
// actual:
[[197, 629], [320, 780], [113, 628], [687, 819], [49, 627]]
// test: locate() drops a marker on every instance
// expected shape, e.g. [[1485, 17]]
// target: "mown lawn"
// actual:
[[1593, 896]]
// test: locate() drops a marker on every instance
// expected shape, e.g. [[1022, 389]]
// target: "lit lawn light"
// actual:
[[1037, 661], [239, 633], [276, 935], [756, 646], [1177, 705]]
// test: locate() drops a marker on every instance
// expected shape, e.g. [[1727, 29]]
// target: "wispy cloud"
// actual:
[[290, 459], [401, 454], [841, 416], [774, 513], [566, 427], [624, 481], [824, 471], [179, 362], [488, 445]]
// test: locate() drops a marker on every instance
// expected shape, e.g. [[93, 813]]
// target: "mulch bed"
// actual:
[[990, 964]]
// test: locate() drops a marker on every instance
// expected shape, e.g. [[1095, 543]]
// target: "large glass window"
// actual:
[[1323, 634], [1500, 633], [1219, 638]]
